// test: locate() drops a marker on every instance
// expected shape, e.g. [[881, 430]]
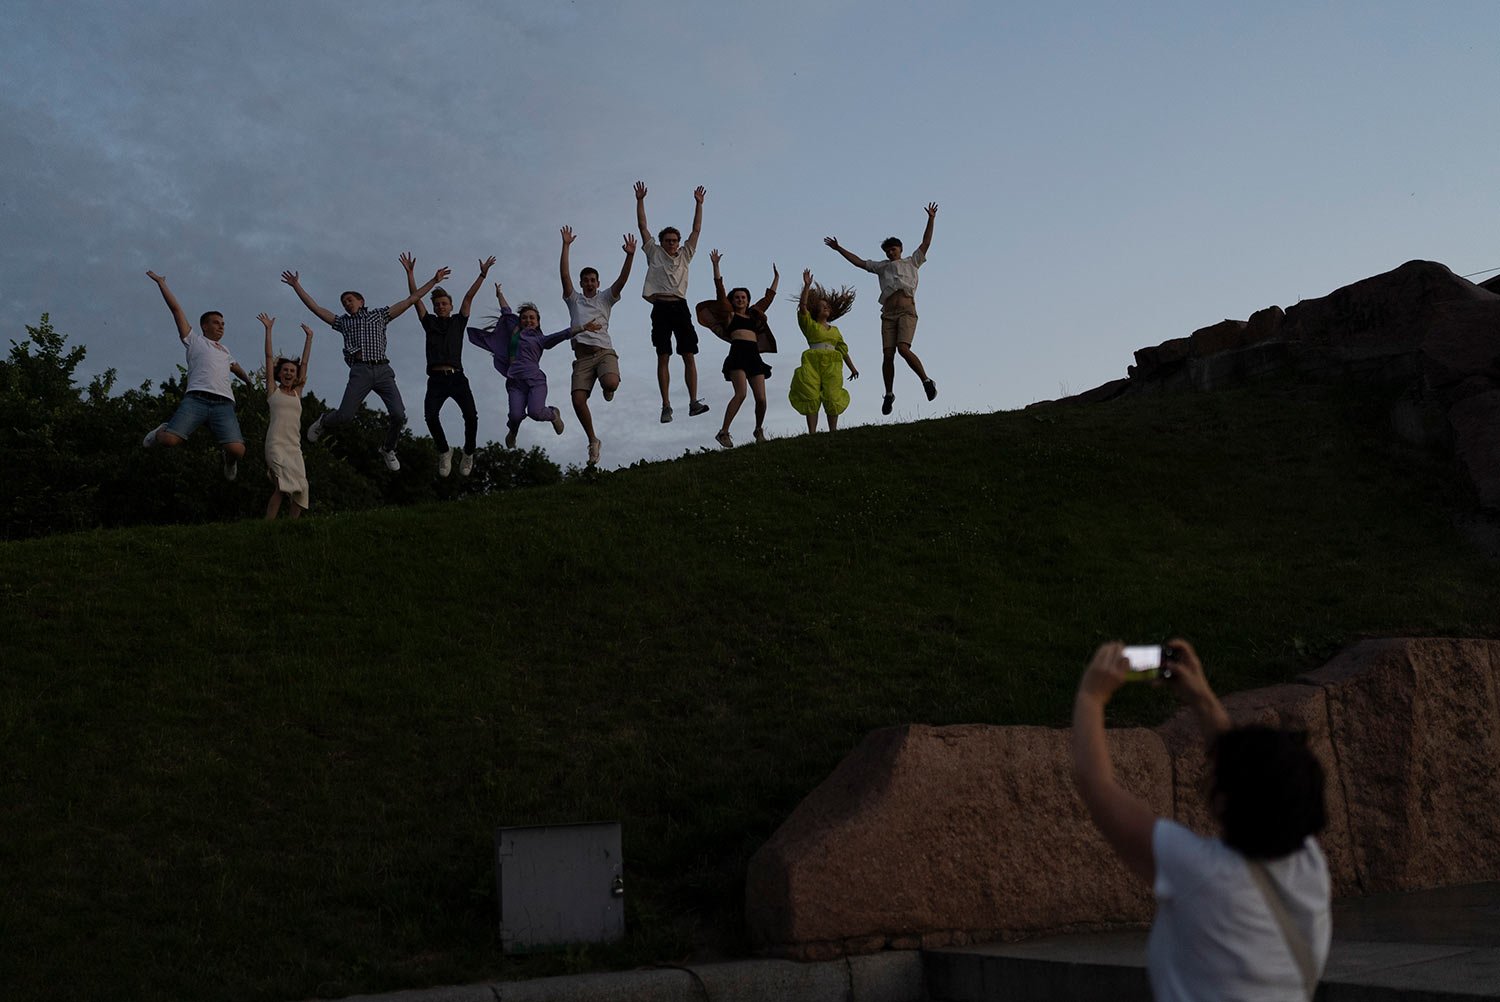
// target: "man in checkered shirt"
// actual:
[[365, 354]]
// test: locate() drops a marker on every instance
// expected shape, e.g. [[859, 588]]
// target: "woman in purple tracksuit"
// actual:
[[516, 342]]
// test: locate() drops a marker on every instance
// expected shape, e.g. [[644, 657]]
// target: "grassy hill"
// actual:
[[257, 761]]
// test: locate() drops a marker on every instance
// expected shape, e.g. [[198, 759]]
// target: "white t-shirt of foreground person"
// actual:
[[1244, 916]]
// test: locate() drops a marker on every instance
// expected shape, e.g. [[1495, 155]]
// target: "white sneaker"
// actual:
[[315, 430], [594, 445], [445, 463], [150, 438], [557, 422], [697, 407], [666, 414], [510, 439], [466, 464], [231, 467], [391, 462]]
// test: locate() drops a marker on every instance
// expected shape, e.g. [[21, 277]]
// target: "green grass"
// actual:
[[258, 761]]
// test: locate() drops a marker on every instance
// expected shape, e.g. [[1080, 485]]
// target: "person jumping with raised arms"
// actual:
[[445, 367], [594, 357], [209, 396], [666, 290], [898, 307], [365, 354], [819, 380]]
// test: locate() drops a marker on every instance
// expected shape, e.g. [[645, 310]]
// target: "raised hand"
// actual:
[[567, 235], [715, 257], [268, 321], [832, 242], [486, 265], [931, 210], [290, 278], [408, 262], [442, 273], [497, 291], [807, 278], [640, 191], [309, 330], [629, 246], [158, 279], [698, 194]]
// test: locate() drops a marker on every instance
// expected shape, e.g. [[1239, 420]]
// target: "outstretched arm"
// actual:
[[409, 263], [268, 322], [562, 262], [1189, 684], [927, 233], [183, 327], [239, 370], [1125, 820], [833, 242], [806, 290], [504, 306], [291, 278], [306, 362], [484, 269], [629, 249], [698, 193], [716, 257], [397, 309], [640, 212], [770, 297]]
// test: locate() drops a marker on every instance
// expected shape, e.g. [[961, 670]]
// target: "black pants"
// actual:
[[445, 386]]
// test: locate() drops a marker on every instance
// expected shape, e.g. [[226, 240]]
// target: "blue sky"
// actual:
[[1109, 175]]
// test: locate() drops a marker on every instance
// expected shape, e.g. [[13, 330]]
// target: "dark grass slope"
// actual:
[[260, 761]]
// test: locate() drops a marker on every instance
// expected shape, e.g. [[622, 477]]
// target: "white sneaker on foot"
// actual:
[[697, 407], [231, 467], [445, 462], [466, 464], [594, 446], [666, 414], [391, 462], [315, 430], [150, 438]]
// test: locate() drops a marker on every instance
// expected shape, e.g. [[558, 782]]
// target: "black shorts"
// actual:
[[668, 317], [745, 357]]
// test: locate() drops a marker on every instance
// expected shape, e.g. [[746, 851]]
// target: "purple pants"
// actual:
[[527, 400]]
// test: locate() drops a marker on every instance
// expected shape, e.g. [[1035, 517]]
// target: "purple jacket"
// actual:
[[525, 367]]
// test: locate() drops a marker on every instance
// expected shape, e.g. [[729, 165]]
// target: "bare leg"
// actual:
[[234, 450], [733, 408], [664, 379], [833, 421], [166, 438], [274, 505], [812, 422], [888, 368], [690, 374], [609, 383], [581, 408], [758, 387], [297, 509], [911, 360]]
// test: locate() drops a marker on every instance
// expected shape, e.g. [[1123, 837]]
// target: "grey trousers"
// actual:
[[363, 378]]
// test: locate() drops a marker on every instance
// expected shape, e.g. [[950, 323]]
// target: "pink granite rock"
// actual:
[[936, 832]]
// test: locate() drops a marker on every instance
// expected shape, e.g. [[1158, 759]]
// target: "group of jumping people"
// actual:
[[515, 342]]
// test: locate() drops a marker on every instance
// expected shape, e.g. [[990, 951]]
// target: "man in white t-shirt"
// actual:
[[1242, 916], [210, 395], [666, 290], [898, 305], [594, 357]]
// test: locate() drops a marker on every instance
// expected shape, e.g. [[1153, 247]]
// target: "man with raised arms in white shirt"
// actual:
[[666, 290], [594, 357]]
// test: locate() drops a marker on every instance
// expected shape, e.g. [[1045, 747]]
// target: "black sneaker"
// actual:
[[931, 389], [886, 404]]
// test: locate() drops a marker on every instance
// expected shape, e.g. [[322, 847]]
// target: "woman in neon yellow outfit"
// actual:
[[819, 380]]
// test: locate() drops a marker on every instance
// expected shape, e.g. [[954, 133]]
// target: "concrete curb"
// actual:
[[893, 976]]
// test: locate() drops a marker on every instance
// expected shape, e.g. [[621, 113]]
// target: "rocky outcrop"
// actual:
[[1429, 336], [930, 836]]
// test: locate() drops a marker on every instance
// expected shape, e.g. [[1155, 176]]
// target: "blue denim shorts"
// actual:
[[198, 407]]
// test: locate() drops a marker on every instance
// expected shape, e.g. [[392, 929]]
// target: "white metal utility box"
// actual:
[[559, 884]]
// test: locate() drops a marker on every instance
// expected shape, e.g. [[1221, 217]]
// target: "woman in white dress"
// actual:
[[285, 379]]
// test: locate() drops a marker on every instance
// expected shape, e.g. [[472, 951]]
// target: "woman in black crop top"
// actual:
[[734, 319]]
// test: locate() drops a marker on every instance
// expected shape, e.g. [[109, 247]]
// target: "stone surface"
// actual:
[[940, 832], [1414, 726]]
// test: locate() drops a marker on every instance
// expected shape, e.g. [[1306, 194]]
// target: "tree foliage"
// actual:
[[73, 459]]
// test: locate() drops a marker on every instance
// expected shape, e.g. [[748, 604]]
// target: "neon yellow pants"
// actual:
[[819, 382]]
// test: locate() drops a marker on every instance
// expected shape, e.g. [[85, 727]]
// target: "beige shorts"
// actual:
[[591, 364], [898, 321]]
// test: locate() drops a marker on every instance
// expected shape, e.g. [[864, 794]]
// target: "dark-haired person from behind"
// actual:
[[1241, 916]]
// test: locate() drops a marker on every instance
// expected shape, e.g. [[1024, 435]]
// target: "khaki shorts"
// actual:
[[591, 364], [898, 321]]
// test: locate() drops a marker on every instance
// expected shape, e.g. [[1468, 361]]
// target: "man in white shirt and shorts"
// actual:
[[594, 357], [666, 290]]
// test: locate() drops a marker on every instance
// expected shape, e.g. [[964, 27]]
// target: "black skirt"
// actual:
[[745, 357]]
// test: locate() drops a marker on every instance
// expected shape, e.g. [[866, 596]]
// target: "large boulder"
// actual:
[[930, 836]]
